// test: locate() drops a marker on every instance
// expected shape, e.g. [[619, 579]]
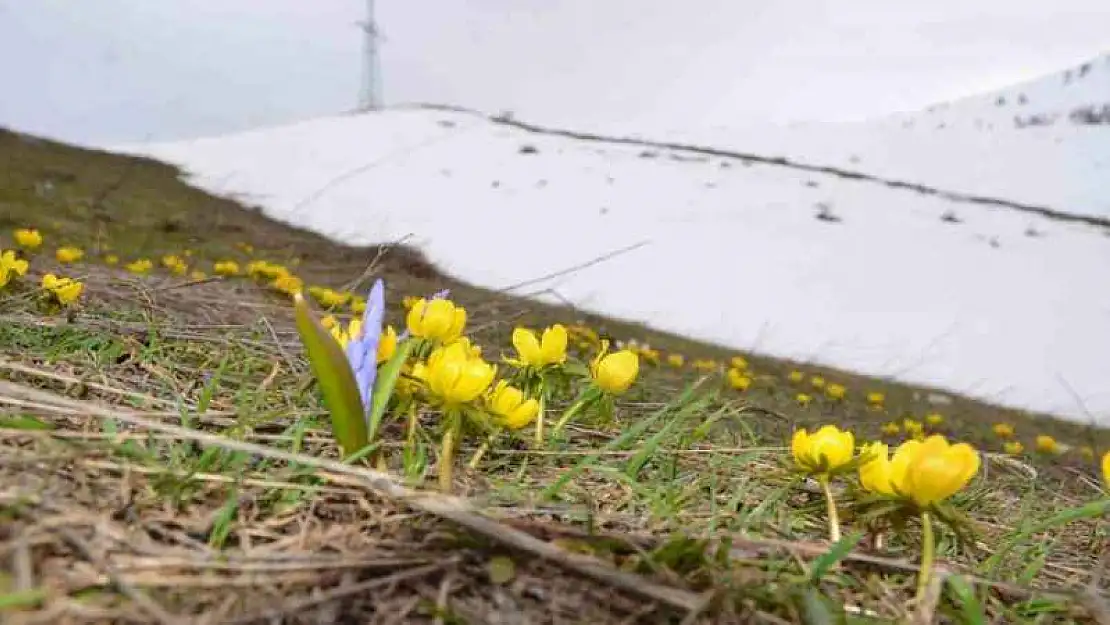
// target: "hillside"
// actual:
[[166, 457], [919, 285]]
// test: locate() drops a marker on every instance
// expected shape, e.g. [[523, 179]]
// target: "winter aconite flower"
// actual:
[[387, 344], [934, 419], [328, 298], [548, 349], [226, 268], [836, 392], [139, 267], [891, 429], [796, 377], [28, 239], [817, 381], [1013, 448], [676, 360], [615, 372], [111, 259], [738, 380], [66, 255], [1003, 430], [925, 472], [803, 399], [1047, 445], [739, 362], [65, 290], [511, 408], [437, 319], [454, 375], [11, 266], [1106, 470], [824, 451], [876, 399], [175, 264]]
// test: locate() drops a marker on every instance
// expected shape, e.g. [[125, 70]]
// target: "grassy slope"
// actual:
[[156, 343]]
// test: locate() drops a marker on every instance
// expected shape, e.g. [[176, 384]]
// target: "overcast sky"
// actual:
[[131, 70]]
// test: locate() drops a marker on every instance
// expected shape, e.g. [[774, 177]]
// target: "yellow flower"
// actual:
[[824, 451], [875, 471], [1003, 430], [246, 247], [175, 264], [409, 301], [614, 373], [738, 362], [111, 259], [11, 266], [439, 320], [65, 290], [28, 239], [358, 304], [914, 429], [705, 364], [454, 375], [287, 283], [328, 298], [1087, 452], [197, 276], [925, 472], [738, 380], [817, 381], [67, 255], [1047, 444], [549, 349], [836, 392], [796, 376], [1014, 448], [803, 399], [891, 428], [139, 267], [676, 360], [226, 268], [329, 322], [650, 355], [1106, 469], [387, 344], [934, 419], [265, 269], [876, 398], [511, 408]]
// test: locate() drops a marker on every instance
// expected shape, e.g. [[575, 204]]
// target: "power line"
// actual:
[[371, 96]]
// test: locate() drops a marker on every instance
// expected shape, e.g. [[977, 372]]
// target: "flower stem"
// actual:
[[477, 457], [928, 550], [539, 417], [834, 516], [451, 433], [586, 397]]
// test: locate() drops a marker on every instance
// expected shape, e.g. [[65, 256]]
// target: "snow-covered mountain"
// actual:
[[918, 284], [1077, 95], [1035, 143]]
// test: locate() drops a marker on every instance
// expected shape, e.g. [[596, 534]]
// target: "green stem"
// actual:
[[928, 549], [539, 417], [477, 457], [451, 433], [587, 396], [834, 516]]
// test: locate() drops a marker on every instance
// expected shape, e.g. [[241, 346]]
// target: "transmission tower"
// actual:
[[371, 97]]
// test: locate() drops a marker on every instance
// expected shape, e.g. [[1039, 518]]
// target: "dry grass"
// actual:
[[163, 458]]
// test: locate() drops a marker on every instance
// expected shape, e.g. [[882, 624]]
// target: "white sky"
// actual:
[[129, 70]]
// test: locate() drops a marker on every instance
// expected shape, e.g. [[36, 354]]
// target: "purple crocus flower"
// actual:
[[362, 350]]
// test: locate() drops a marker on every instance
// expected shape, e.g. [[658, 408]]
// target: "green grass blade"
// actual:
[[337, 382], [971, 610], [837, 551], [383, 387]]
